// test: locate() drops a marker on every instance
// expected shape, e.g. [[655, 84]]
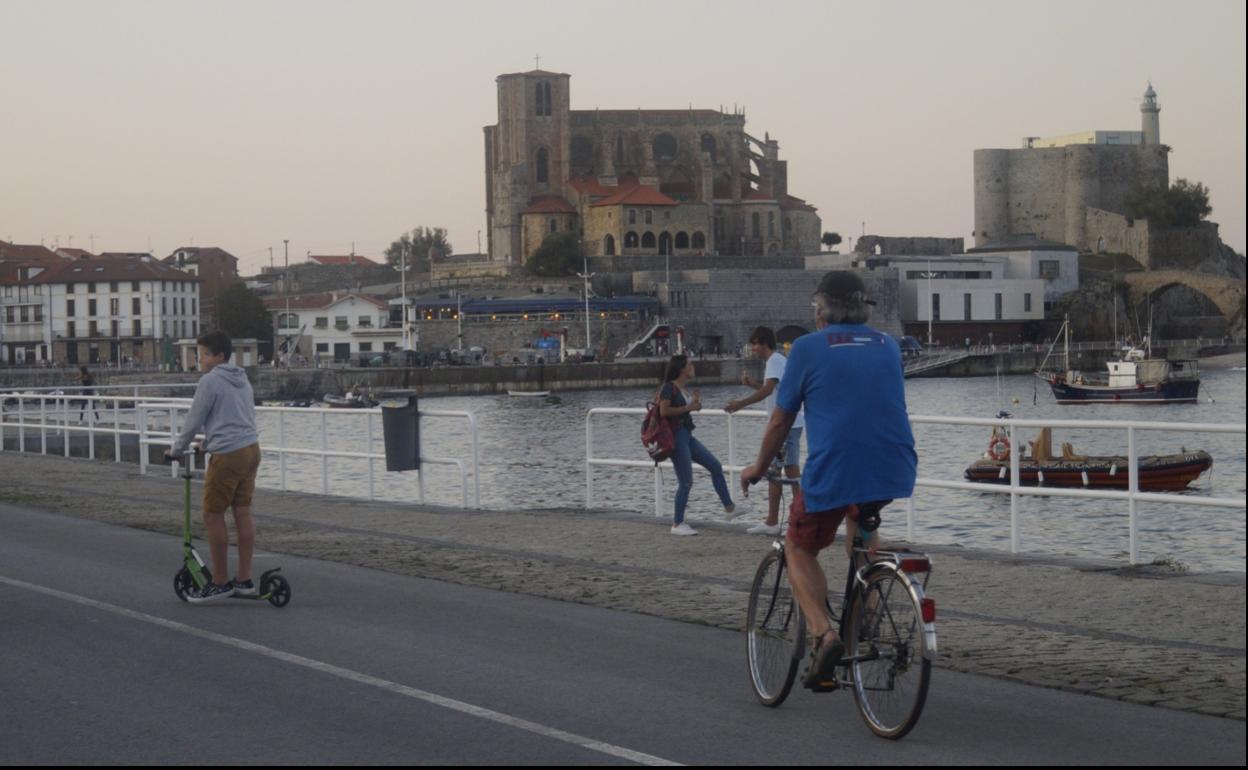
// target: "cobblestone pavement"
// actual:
[[1148, 635]]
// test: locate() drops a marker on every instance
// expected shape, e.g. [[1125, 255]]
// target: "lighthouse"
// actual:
[[1150, 117]]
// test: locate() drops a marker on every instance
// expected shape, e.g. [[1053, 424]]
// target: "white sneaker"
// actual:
[[684, 530], [764, 529]]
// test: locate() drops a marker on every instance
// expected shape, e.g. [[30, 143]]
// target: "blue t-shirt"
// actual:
[[849, 380]]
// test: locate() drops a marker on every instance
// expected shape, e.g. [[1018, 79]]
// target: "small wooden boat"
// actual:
[[1158, 473], [349, 402], [528, 393]]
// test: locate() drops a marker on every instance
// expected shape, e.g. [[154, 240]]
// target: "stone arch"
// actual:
[[630, 240], [647, 241], [773, 250], [608, 245], [699, 240], [682, 240], [1226, 293]]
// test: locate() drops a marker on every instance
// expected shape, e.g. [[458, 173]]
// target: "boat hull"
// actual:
[[1171, 392], [1164, 473]]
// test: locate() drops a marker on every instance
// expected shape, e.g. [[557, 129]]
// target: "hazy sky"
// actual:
[[240, 124]]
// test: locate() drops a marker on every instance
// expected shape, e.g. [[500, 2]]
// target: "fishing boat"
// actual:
[[357, 401], [528, 393], [1157, 473], [1136, 378]]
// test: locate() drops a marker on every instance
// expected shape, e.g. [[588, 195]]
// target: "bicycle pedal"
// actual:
[[824, 686]]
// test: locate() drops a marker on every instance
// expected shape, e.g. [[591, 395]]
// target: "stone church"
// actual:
[[634, 182]]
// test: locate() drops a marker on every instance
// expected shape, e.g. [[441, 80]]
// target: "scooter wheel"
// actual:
[[183, 583], [278, 590]]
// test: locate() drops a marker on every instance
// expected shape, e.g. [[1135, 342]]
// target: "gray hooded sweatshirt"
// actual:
[[225, 408]]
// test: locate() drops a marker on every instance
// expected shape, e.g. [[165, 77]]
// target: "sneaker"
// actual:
[[245, 588], [210, 593], [683, 530], [764, 529]]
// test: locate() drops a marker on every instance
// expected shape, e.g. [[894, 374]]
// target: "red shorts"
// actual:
[[812, 532]]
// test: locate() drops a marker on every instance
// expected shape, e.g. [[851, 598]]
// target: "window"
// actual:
[[194, 303], [543, 166], [136, 306], [665, 147], [1027, 302], [649, 217], [322, 347], [647, 241], [997, 303], [134, 286], [553, 225], [136, 328], [69, 307], [366, 347], [70, 330], [699, 241], [24, 314], [366, 321], [608, 245], [708, 145], [115, 329], [288, 321], [184, 306], [682, 240], [194, 328], [771, 224], [90, 288], [632, 216], [114, 306], [93, 329], [38, 313], [935, 307], [630, 240], [966, 307], [164, 304], [322, 322], [69, 288], [91, 308], [1050, 268], [340, 322], [112, 286]]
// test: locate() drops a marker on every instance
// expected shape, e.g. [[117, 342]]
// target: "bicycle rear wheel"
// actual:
[[886, 648], [774, 632]]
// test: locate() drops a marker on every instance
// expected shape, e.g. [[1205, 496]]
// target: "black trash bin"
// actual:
[[400, 425]]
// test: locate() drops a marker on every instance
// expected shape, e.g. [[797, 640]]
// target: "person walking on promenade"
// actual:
[[677, 403], [86, 381], [763, 347], [224, 407]]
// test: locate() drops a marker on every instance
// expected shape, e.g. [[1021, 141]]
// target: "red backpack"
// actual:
[[657, 435]]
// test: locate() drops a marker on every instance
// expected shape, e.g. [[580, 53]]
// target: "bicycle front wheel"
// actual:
[[774, 632], [887, 653]]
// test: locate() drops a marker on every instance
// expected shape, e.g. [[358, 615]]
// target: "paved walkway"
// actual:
[[1143, 636]]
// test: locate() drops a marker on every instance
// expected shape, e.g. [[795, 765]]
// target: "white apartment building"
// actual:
[[98, 310], [336, 326], [961, 288]]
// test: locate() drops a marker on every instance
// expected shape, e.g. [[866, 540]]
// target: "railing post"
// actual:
[[324, 449], [589, 456], [1133, 487], [21, 423], [43, 425], [476, 460], [116, 429], [369, 416], [910, 520], [1014, 485], [140, 416], [658, 491], [91, 402], [281, 445]]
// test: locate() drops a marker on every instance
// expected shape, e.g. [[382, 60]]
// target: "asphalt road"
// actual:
[[100, 663]]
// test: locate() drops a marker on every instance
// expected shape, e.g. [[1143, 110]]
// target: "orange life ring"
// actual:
[[999, 448]]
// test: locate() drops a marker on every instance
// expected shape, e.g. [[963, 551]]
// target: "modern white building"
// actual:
[[963, 288], [96, 310], [334, 326]]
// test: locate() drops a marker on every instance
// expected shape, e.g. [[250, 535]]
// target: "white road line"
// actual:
[[355, 676]]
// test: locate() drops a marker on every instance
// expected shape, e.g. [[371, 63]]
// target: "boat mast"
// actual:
[[1066, 337]]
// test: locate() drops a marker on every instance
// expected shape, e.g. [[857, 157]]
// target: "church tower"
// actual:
[[527, 153], [1150, 118]]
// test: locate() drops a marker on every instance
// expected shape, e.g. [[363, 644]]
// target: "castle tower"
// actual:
[[1150, 118], [527, 152]]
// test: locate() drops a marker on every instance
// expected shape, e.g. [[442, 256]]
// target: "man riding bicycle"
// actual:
[[848, 378]]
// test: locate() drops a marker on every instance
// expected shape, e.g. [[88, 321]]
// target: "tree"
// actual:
[[418, 244], [831, 239], [1182, 204], [559, 255], [241, 314]]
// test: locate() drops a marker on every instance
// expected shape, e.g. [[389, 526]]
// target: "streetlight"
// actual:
[[586, 276], [286, 287], [929, 299], [403, 278]]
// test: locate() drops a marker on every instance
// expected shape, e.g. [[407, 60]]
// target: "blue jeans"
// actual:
[[689, 451]]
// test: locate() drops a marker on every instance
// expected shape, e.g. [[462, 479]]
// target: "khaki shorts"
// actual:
[[231, 479]]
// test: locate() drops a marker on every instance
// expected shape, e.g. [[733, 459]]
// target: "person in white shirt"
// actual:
[[763, 347]]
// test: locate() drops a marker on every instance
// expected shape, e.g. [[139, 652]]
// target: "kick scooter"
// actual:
[[194, 574]]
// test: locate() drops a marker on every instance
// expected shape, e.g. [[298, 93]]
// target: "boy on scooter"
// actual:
[[225, 409]]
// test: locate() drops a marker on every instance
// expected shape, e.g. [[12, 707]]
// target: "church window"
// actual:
[[582, 156], [699, 241], [708, 145], [630, 240], [649, 217], [608, 245], [539, 102], [543, 103], [647, 241], [664, 148], [771, 224], [543, 166], [682, 240], [546, 91]]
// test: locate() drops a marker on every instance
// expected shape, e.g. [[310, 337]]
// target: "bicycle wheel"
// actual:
[[886, 650], [774, 632]]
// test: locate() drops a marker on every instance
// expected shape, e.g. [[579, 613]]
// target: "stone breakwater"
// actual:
[[1148, 636]]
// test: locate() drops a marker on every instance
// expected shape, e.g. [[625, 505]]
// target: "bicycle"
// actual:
[[888, 630]]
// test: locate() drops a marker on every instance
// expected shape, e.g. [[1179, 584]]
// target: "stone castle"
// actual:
[[637, 182], [1070, 189]]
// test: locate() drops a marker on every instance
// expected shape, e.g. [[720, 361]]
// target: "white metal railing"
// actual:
[[53, 414], [730, 467], [1014, 489]]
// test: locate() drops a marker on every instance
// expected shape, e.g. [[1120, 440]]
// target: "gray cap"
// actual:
[[845, 286]]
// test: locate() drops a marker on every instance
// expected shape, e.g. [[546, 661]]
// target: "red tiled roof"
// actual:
[[17, 251], [317, 301], [349, 259], [74, 253], [589, 185], [112, 268], [791, 203], [636, 195], [549, 204], [617, 115]]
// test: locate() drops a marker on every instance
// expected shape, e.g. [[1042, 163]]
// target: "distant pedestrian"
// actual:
[[677, 403], [87, 382]]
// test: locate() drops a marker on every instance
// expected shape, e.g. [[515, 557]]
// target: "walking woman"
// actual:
[[86, 381], [677, 403]]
